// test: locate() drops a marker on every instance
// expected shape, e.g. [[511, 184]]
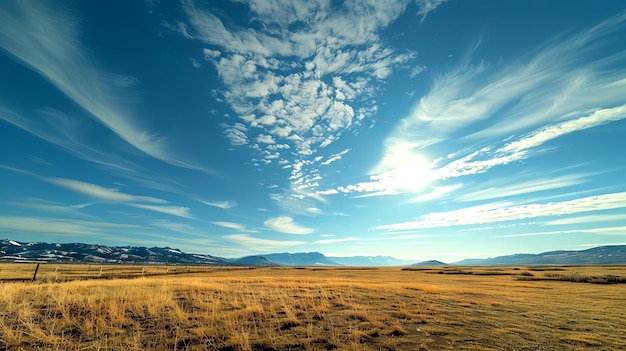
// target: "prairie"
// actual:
[[81, 307]]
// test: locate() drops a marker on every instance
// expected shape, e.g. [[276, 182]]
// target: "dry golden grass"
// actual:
[[312, 309]]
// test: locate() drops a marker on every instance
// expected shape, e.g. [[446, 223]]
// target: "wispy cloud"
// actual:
[[285, 224], [100, 193], [183, 228], [335, 157], [437, 192], [600, 231], [232, 225], [506, 189], [57, 226], [113, 196], [179, 211], [220, 204], [499, 212], [51, 207], [43, 37], [333, 241], [588, 219]]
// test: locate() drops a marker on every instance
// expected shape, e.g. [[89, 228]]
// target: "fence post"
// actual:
[[35, 274]]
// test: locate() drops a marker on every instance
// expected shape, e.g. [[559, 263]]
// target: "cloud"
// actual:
[[333, 241], [407, 170], [599, 231], [500, 189], [500, 212], [588, 219], [45, 39], [92, 190], [220, 204], [231, 225], [265, 139], [56, 226], [304, 76], [437, 193], [100, 193], [183, 228], [48, 206], [285, 224], [236, 133], [178, 211], [335, 157], [486, 158], [261, 244], [428, 6], [562, 87]]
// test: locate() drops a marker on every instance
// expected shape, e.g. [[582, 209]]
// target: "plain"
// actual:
[[81, 307]]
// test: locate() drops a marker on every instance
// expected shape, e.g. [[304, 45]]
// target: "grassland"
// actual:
[[200, 308]]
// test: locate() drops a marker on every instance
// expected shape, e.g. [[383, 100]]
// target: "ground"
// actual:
[[71, 307]]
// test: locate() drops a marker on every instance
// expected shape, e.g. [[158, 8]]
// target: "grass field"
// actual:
[[71, 307]]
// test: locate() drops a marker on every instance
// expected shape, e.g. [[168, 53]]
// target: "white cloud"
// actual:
[[220, 204], [56, 226], [588, 219], [285, 224], [437, 193], [265, 139], [293, 102], [231, 225], [335, 157], [178, 211], [499, 212], [486, 158], [314, 210], [333, 241], [236, 134], [509, 188], [599, 231], [100, 193]]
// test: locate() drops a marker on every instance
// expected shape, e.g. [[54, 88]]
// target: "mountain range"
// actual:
[[11, 250], [615, 254]]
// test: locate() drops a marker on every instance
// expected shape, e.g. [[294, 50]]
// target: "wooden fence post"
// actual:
[[35, 274]]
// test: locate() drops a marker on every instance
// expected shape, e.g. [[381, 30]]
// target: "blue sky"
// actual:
[[418, 129]]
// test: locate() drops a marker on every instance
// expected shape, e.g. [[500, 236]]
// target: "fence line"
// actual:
[[55, 271]]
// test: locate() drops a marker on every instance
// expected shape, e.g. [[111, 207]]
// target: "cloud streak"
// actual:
[[42, 37], [501, 212], [232, 225], [285, 224]]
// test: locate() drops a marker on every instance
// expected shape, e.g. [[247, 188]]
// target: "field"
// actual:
[[81, 307]]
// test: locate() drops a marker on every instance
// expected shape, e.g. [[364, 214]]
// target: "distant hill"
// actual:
[[11, 250], [598, 255], [369, 261], [301, 259], [430, 263], [254, 261]]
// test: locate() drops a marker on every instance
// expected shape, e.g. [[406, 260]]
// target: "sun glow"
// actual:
[[411, 175]]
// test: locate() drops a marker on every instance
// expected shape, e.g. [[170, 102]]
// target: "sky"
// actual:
[[425, 129]]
